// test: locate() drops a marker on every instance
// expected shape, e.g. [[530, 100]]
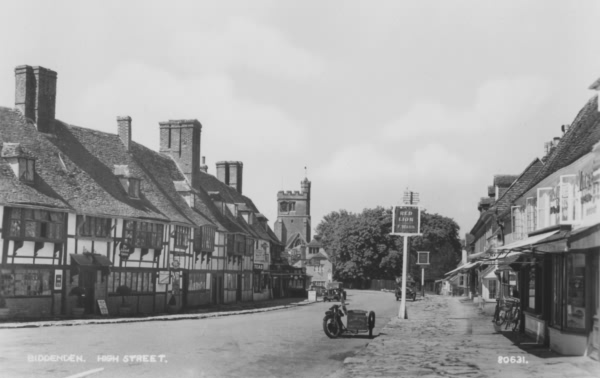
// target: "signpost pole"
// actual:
[[423, 281], [402, 311]]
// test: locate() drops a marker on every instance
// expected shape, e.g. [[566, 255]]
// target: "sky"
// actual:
[[373, 98]]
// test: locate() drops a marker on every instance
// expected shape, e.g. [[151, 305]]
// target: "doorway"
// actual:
[[87, 280], [238, 292]]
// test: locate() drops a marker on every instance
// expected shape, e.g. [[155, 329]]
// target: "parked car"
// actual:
[[410, 293], [333, 295], [321, 290]]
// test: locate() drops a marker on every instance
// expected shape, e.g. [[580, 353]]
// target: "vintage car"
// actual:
[[321, 290], [333, 295], [410, 293]]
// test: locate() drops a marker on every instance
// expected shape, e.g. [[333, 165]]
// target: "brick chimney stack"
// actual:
[[124, 124], [181, 140], [35, 95]]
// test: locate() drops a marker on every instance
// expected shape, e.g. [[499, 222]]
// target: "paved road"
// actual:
[[285, 343]]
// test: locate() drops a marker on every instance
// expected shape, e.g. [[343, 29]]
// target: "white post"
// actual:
[[402, 311], [423, 281]]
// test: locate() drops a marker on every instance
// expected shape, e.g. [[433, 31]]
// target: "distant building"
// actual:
[[293, 224]]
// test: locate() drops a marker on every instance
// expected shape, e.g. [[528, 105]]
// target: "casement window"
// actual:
[[199, 281], [543, 207], [249, 247], [93, 227], [182, 237], [143, 234], [531, 211], [25, 282], [230, 246], [138, 282], [131, 186], [240, 244], [567, 199], [27, 170], [204, 239], [517, 223], [35, 225]]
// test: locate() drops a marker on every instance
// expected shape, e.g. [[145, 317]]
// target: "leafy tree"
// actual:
[[363, 249]]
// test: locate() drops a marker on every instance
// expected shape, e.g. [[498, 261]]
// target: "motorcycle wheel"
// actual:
[[331, 327], [371, 321]]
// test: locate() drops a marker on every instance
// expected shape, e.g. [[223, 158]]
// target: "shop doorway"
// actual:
[[87, 280]]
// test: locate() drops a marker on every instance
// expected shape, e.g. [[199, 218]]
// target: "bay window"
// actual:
[[93, 227], [143, 234], [35, 225], [25, 282], [182, 237]]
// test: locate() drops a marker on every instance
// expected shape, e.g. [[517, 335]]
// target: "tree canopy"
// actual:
[[363, 249]]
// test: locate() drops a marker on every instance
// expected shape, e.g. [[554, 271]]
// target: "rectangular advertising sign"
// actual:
[[406, 220]]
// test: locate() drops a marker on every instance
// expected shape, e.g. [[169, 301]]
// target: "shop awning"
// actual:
[[464, 267], [91, 260], [585, 237], [526, 243]]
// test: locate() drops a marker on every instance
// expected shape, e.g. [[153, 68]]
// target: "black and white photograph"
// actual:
[[300, 189]]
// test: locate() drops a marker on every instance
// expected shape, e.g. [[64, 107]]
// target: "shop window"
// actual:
[[575, 296], [138, 282], [93, 227], [30, 224], [24, 282], [198, 281], [556, 317], [143, 234], [534, 292]]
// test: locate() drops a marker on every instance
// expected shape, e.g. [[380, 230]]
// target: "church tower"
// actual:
[[293, 216]]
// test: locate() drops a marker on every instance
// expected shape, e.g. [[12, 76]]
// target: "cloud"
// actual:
[[150, 95], [243, 43], [500, 103], [368, 161]]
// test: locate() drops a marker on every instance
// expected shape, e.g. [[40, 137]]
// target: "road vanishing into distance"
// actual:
[[281, 343]]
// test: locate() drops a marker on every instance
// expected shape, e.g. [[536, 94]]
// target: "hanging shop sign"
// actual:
[[406, 220]]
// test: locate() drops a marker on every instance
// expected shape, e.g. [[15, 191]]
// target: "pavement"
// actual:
[[200, 313], [450, 336]]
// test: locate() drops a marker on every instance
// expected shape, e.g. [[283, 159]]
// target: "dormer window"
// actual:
[[129, 183], [22, 164]]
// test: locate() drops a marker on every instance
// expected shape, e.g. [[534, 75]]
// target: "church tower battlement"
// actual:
[[293, 214]]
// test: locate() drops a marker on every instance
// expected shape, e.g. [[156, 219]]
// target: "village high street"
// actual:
[[443, 336]]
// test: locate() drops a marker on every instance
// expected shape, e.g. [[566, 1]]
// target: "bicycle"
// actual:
[[505, 311], [514, 316]]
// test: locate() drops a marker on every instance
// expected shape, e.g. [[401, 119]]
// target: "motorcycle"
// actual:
[[358, 321]]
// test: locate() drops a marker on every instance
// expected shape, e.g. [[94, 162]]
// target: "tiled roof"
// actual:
[[579, 140], [314, 243], [517, 188]]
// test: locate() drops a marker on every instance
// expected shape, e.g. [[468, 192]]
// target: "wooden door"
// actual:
[[87, 280]]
